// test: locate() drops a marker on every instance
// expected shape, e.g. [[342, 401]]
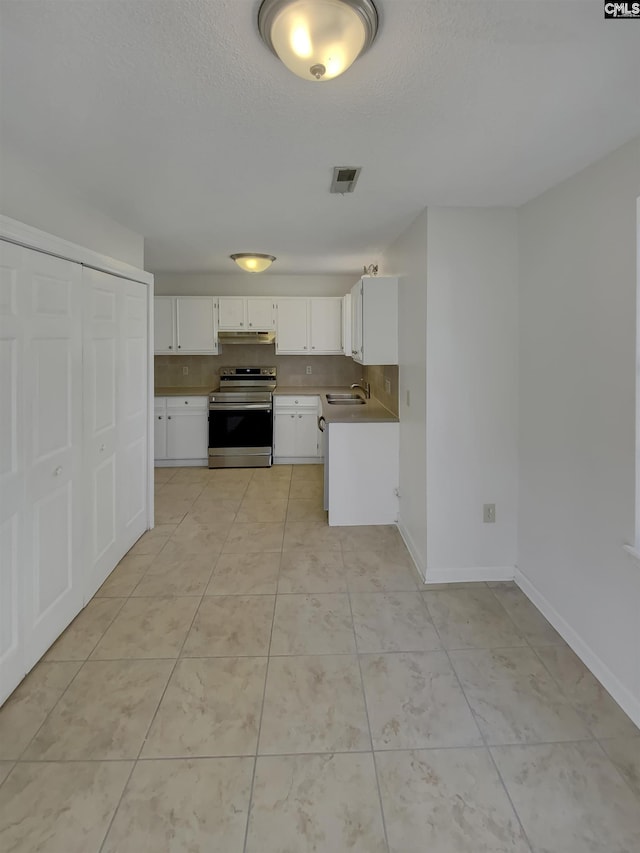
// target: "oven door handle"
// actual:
[[239, 407]]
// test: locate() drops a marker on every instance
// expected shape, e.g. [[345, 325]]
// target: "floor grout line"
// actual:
[[481, 733], [366, 711], [255, 761]]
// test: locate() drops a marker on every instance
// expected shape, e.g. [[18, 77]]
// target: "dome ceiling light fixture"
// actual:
[[253, 261], [318, 39]]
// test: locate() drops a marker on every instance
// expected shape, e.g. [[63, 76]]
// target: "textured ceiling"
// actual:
[[174, 119]]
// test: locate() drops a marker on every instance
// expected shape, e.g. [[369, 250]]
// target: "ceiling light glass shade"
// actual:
[[318, 39], [251, 262]]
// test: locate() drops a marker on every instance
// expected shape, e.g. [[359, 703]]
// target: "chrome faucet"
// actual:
[[365, 388]]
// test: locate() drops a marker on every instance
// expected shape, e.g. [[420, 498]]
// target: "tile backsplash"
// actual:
[[204, 369], [376, 375]]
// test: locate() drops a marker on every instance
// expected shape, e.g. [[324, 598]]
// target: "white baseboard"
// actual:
[[629, 703], [470, 574], [298, 460], [181, 463], [411, 548]]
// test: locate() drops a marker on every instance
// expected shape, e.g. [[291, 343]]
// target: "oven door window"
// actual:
[[238, 428]]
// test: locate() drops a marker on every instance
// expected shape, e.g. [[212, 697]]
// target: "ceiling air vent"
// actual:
[[345, 179]]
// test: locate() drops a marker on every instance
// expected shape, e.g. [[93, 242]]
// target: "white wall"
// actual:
[[407, 257], [577, 414], [472, 317], [252, 284], [42, 202]]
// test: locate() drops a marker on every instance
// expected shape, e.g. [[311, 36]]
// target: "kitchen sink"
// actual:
[[342, 398], [345, 401]]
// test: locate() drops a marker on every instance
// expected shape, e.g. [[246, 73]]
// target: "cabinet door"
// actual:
[[260, 313], [164, 324], [292, 326], [356, 321], [195, 324], [231, 313], [187, 435], [53, 450], [284, 427], [326, 325], [306, 434], [160, 433]]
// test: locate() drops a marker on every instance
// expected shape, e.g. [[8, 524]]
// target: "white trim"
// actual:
[[629, 703], [151, 381], [298, 460], [630, 549], [33, 238], [411, 548], [636, 550], [181, 463], [471, 574]]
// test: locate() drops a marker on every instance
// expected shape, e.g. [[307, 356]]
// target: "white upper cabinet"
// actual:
[[231, 313], [196, 324], [325, 325], [185, 325], [261, 313], [309, 326], [374, 320], [292, 329], [246, 313], [164, 324]]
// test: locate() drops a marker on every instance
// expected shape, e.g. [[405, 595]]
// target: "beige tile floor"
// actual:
[[249, 679]]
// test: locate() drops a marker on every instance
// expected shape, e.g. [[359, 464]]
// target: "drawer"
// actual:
[[301, 401], [190, 402]]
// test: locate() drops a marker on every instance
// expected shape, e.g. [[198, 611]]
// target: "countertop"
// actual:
[[184, 391], [372, 412]]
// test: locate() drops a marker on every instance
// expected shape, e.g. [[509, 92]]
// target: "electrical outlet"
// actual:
[[489, 513], [387, 386], [309, 371], [185, 371]]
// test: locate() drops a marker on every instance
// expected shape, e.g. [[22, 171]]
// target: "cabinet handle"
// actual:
[[299, 416], [305, 347], [321, 421], [179, 346], [186, 402], [312, 347], [102, 448], [170, 347], [159, 417], [58, 471], [293, 416], [168, 417], [242, 324], [251, 324], [296, 402], [354, 352]]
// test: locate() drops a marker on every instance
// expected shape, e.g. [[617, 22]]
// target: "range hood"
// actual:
[[247, 337]]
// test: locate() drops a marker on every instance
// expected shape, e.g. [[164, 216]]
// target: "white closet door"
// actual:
[[101, 353], [12, 557], [115, 420], [52, 422], [132, 444]]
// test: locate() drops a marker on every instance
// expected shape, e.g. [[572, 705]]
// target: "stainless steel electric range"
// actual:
[[241, 418]]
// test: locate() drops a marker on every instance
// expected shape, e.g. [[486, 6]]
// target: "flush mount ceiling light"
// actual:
[[318, 39], [252, 261]]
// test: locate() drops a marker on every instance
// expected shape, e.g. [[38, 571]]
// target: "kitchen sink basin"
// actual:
[[345, 401], [347, 397]]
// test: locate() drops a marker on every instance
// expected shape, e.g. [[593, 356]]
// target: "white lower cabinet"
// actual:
[[362, 470], [73, 448], [295, 429], [181, 430]]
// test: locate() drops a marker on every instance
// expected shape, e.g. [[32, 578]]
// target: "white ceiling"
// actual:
[[172, 117]]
